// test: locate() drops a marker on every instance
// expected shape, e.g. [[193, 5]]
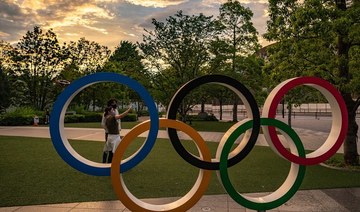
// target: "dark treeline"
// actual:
[[183, 47]]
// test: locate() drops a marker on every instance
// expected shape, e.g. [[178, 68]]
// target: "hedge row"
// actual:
[[17, 120], [95, 118], [23, 120], [88, 117]]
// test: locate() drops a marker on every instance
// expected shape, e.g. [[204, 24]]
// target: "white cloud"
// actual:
[[212, 2], [56, 14], [105, 21], [156, 3], [254, 1], [72, 34], [218, 2], [95, 11], [4, 34], [104, 31], [130, 34]]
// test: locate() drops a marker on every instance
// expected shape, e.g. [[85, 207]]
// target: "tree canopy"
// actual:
[[240, 39], [38, 62], [319, 38], [178, 50], [38, 58], [175, 51]]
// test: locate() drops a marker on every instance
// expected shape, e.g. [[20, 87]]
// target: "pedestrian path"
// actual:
[[311, 139], [327, 200]]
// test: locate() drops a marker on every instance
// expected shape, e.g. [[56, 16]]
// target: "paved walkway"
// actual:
[[311, 139], [347, 199], [327, 200]]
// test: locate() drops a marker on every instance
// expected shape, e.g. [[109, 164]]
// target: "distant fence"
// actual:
[[311, 109]]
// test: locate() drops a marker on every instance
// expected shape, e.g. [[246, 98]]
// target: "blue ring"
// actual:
[[57, 120]]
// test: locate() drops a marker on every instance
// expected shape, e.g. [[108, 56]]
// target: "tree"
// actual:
[[4, 91], [6, 51], [178, 50], [240, 36], [218, 64], [127, 60], [38, 59], [319, 38], [85, 57], [6, 56]]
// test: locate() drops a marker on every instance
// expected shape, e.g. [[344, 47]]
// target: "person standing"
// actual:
[[111, 103], [113, 137], [47, 116]]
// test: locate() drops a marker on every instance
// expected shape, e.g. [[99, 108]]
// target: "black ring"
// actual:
[[234, 85]]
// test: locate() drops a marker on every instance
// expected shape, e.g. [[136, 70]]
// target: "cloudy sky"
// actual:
[[105, 21]]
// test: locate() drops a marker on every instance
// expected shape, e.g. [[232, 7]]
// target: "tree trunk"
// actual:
[[235, 104], [233, 72], [220, 108], [351, 156], [34, 87], [94, 99], [44, 93], [289, 113], [183, 112]]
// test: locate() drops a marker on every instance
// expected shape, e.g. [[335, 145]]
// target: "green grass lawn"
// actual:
[[33, 173]]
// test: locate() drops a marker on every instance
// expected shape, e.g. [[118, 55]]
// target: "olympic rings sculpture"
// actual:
[[224, 156]]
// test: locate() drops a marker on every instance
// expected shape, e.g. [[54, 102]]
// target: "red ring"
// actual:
[[275, 98]]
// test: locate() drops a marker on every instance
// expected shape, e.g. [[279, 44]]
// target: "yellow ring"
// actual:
[[182, 204]]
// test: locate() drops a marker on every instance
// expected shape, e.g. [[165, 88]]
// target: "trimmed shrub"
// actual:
[[22, 111], [17, 120], [92, 117], [74, 118], [210, 117], [143, 113], [79, 109], [130, 117], [162, 114], [25, 116], [21, 116]]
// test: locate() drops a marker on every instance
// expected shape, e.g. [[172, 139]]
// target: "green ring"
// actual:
[[224, 168]]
